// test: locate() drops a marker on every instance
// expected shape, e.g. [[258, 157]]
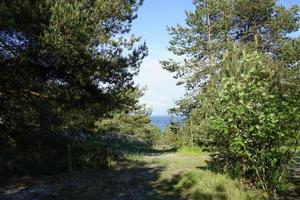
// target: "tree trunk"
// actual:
[[69, 155], [191, 133], [209, 36], [255, 35]]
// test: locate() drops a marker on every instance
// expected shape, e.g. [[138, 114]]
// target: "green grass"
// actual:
[[191, 150], [206, 185], [185, 176]]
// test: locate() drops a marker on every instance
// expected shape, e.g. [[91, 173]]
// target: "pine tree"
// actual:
[[202, 42], [64, 64], [200, 45]]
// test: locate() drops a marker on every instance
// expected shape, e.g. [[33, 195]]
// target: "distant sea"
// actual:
[[162, 121]]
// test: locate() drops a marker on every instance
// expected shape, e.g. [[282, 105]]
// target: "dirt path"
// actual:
[[139, 178]]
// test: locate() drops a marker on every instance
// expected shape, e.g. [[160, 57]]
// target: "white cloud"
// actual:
[[162, 90]]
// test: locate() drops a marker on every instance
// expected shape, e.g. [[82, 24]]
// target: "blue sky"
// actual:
[[153, 18]]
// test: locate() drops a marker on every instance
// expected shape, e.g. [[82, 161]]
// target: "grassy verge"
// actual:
[[206, 185], [185, 176], [191, 150]]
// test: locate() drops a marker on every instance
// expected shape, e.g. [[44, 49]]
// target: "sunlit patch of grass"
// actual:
[[192, 150], [194, 182], [177, 163], [206, 185], [185, 176]]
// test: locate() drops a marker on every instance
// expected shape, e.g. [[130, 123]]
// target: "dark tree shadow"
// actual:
[[129, 181], [124, 145]]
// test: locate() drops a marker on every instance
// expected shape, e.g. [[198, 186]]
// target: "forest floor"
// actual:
[[160, 176]]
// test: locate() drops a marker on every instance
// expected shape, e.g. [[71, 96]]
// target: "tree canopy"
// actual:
[[201, 42], [65, 64], [239, 62]]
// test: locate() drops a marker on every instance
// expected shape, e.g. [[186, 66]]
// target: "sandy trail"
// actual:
[[148, 177]]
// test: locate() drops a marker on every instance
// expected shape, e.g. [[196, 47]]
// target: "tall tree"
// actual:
[[244, 105], [200, 45], [202, 42], [68, 51], [65, 63]]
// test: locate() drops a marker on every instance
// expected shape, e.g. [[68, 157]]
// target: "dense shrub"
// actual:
[[54, 153], [255, 120], [137, 124]]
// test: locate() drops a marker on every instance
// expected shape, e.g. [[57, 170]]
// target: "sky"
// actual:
[[153, 18]]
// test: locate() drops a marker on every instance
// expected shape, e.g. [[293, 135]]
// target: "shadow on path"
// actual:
[[131, 180]]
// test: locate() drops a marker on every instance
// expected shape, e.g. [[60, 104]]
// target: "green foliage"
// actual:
[[137, 124], [172, 136], [64, 65], [190, 150], [244, 105], [201, 43], [54, 153], [255, 121]]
